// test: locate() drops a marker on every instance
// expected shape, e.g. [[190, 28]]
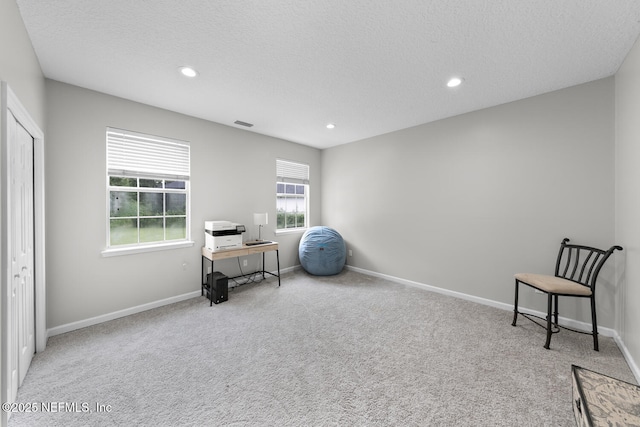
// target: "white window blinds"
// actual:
[[137, 155], [293, 172]]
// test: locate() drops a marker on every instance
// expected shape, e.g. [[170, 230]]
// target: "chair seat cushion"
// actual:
[[552, 284]]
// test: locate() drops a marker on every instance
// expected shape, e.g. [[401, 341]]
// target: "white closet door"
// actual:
[[22, 245]]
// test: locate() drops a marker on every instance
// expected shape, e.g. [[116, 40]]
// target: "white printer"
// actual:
[[221, 235]]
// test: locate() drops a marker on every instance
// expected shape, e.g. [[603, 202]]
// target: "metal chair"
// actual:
[[576, 273]]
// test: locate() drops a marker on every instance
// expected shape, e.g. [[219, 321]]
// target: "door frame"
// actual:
[[10, 104]]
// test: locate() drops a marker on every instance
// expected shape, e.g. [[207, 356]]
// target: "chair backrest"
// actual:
[[581, 264]]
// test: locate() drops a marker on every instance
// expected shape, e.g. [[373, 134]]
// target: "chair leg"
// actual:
[[594, 321], [515, 307], [549, 309], [555, 310]]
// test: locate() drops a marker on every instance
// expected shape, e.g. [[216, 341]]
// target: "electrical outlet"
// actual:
[[350, 252], [244, 262]]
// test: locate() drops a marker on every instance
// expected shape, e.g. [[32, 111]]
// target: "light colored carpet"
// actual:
[[347, 350]]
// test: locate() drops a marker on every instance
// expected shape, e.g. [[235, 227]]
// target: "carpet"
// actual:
[[344, 350]]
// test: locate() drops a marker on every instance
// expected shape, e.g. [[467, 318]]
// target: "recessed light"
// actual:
[[331, 126], [455, 81], [188, 72]]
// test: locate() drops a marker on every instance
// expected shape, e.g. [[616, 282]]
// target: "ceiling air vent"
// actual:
[[241, 123]]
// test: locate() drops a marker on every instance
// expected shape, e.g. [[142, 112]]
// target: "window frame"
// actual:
[[166, 175], [292, 173]]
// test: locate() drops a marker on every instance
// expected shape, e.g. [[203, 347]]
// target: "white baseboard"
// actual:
[[132, 310], [571, 323], [120, 313], [625, 352]]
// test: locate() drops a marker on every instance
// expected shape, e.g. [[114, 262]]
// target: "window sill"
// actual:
[[291, 230], [142, 249]]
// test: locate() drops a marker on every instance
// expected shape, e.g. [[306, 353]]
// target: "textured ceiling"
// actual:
[[292, 66]]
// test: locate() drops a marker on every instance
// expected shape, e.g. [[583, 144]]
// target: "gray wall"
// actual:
[[232, 176], [464, 203], [19, 65], [628, 200]]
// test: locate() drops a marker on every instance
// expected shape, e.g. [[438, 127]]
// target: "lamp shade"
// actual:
[[260, 218]]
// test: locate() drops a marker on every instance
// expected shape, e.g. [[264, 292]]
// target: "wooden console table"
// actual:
[[261, 248]]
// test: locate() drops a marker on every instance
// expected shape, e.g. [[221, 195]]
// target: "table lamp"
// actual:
[[260, 219]]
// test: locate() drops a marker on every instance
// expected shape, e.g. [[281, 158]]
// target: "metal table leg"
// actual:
[[278, 259]]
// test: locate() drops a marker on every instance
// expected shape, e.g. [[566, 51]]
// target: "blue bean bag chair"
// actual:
[[322, 251]]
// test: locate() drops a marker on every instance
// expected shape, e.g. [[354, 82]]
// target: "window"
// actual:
[[148, 189], [292, 195]]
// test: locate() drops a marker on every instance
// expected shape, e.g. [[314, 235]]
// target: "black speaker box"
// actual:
[[218, 287]]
